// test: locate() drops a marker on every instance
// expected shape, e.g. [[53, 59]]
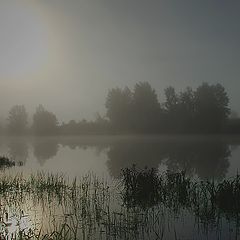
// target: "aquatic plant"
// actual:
[[6, 162], [142, 205]]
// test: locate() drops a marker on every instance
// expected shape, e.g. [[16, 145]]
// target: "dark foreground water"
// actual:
[[202, 158]]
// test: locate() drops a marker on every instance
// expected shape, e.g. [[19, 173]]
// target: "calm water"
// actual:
[[201, 157], [204, 157]]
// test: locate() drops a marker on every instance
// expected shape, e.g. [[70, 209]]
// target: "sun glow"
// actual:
[[29, 43]]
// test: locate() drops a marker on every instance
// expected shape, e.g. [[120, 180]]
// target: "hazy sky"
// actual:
[[66, 54]]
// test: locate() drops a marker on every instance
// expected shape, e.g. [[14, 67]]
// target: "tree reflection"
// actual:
[[45, 148], [18, 151], [125, 154], [206, 158]]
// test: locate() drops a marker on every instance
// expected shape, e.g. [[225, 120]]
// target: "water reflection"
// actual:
[[204, 157], [142, 153], [49, 206], [18, 151], [45, 148]]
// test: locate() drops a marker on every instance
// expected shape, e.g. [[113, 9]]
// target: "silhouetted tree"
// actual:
[[233, 115], [204, 110], [44, 122], [17, 119], [212, 110], [179, 110], [171, 109], [171, 99], [233, 126], [186, 110], [146, 108], [119, 108], [101, 124]]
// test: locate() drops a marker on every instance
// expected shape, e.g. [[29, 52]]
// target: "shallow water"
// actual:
[[213, 157], [204, 157]]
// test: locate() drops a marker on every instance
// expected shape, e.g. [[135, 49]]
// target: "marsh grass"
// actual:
[[6, 162], [142, 206], [208, 200]]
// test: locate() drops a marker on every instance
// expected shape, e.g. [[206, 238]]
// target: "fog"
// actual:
[[67, 54]]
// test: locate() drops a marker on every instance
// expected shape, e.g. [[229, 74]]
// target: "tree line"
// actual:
[[203, 110], [43, 121]]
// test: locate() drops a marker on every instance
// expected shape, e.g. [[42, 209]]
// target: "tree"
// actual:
[[171, 107], [186, 110], [233, 115], [146, 108], [212, 110], [17, 119], [137, 111], [171, 99], [119, 108], [44, 122]]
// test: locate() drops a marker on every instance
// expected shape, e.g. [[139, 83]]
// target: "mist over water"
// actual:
[[205, 157], [119, 120]]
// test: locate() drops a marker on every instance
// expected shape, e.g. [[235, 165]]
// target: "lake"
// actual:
[[204, 157], [104, 157]]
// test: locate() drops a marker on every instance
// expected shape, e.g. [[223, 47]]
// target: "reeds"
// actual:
[[6, 162], [141, 207]]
